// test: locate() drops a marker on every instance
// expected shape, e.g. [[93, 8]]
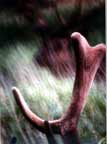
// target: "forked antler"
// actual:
[[88, 60]]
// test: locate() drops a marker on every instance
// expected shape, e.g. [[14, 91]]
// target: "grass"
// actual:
[[46, 95]]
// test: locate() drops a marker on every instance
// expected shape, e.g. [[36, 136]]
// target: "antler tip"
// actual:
[[16, 92], [14, 88], [75, 35]]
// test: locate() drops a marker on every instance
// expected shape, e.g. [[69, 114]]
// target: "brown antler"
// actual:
[[33, 118], [87, 63], [88, 60]]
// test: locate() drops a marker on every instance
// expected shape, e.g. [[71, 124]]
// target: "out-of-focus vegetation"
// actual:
[[45, 94]]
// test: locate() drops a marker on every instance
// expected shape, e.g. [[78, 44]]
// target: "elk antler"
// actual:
[[88, 60], [33, 118]]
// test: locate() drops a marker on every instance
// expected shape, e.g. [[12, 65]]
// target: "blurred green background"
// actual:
[[45, 94]]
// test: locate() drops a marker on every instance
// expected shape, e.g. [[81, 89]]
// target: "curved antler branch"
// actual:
[[33, 118], [88, 60]]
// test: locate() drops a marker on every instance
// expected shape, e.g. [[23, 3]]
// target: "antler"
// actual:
[[33, 118], [88, 60]]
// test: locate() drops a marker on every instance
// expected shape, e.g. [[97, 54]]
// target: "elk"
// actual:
[[88, 60]]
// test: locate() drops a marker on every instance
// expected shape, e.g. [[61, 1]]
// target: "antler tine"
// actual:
[[32, 117], [81, 44], [88, 60]]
